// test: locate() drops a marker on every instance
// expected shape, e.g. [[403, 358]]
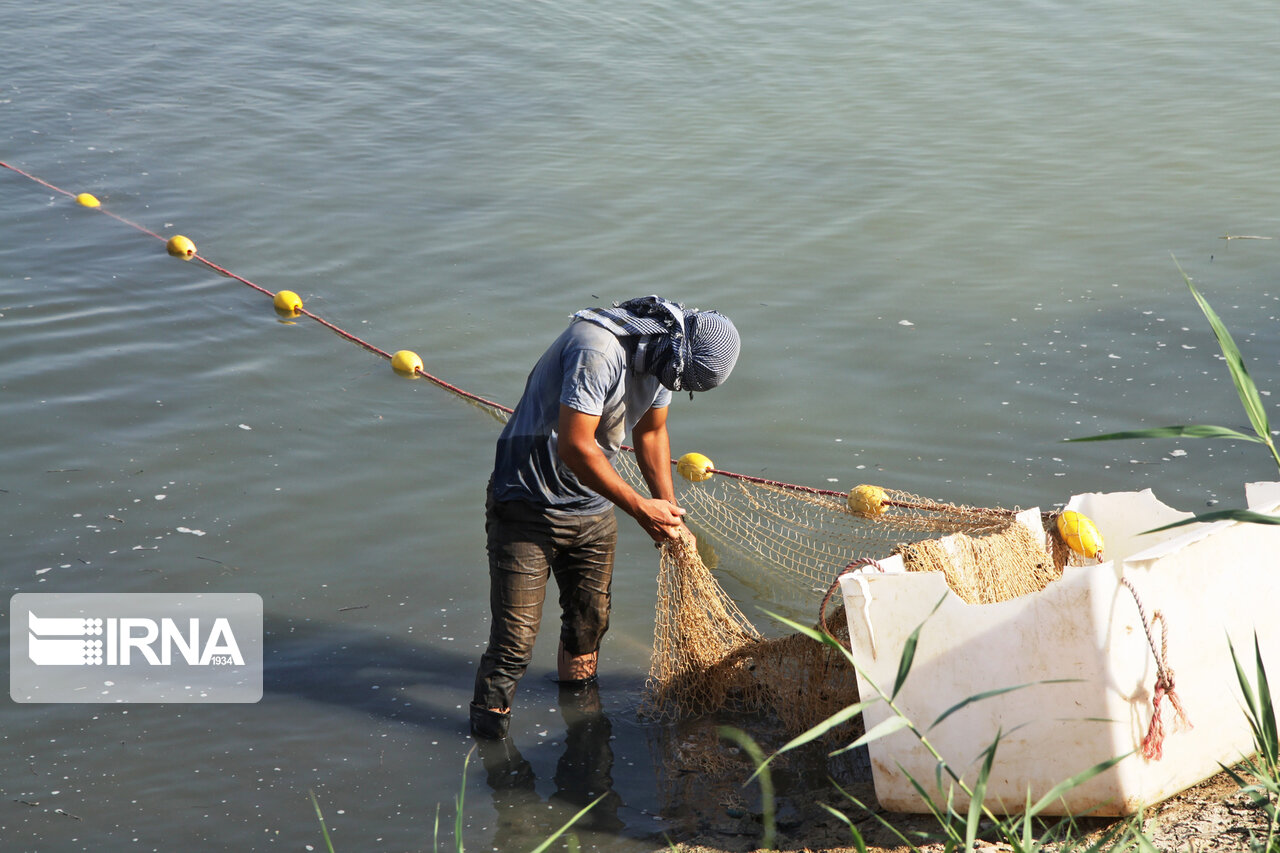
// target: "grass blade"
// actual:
[[1143, 844], [324, 830], [1076, 780], [1190, 431], [839, 718], [884, 728], [1246, 515], [904, 662], [1270, 745], [909, 652], [876, 815], [462, 794], [768, 803], [1257, 795], [1252, 709], [810, 632], [859, 843], [541, 848], [1246, 389], [979, 794], [991, 693], [942, 818], [1245, 386]]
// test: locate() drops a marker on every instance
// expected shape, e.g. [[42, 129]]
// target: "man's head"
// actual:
[[711, 346], [686, 349]]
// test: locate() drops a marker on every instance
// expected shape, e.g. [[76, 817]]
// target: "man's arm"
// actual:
[[653, 453], [659, 516]]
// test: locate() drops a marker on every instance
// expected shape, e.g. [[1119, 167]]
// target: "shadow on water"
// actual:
[[568, 748], [701, 783], [340, 665], [360, 670]]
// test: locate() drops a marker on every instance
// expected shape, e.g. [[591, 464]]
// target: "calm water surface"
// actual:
[[945, 231]]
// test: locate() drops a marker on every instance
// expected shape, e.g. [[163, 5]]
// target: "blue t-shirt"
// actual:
[[587, 370]]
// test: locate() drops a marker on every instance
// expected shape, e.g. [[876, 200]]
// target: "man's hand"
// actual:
[[660, 517], [662, 520]]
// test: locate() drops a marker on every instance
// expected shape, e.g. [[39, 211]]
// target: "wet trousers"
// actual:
[[526, 545]]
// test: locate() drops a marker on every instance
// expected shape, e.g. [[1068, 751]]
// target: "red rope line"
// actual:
[[779, 484], [355, 339], [32, 177], [229, 274], [475, 398]]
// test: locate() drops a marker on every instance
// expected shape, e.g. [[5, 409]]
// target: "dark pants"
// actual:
[[526, 544]]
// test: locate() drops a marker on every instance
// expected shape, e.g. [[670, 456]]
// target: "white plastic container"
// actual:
[[1210, 581]]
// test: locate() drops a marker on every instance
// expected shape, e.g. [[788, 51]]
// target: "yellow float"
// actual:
[[1080, 534], [287, 301], [694, 467], [406, 362], [181, 247], [867, 501]]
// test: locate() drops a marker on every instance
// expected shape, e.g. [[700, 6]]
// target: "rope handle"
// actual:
[[1153, 743], [822, 608]]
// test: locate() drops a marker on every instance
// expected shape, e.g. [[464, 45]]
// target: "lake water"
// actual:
[[946, 232]]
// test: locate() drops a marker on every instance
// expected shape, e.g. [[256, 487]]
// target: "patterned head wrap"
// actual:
[[686, 349]]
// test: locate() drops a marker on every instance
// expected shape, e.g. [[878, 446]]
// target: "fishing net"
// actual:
[[708, 657], [998, 566]]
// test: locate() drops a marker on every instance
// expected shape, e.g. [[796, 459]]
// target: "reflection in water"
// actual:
[[583, 773]]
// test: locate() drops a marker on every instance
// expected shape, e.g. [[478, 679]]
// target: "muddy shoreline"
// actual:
[[713, 806], [1212, 816]]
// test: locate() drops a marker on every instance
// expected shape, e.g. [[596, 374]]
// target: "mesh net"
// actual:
[[999, 566], [708, 657], [806, 537]]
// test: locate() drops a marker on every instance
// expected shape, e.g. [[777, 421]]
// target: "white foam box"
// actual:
[[1212, 582]]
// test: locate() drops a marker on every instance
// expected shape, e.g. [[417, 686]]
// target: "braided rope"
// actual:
[[1153, 743]]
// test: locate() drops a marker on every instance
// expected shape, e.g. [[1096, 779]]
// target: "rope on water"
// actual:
[[496, 409], [1153, 743]]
